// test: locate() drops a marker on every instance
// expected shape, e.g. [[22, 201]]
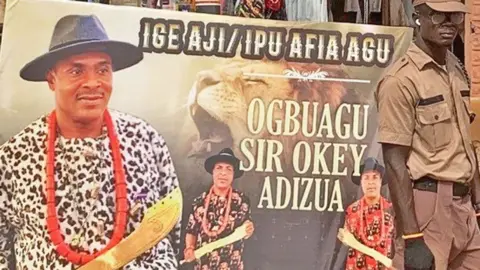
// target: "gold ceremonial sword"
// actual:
[[157, 223], [238, 234], [348, 239]]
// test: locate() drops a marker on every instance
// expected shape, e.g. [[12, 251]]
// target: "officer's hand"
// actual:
[[477, 212], [417, 254]]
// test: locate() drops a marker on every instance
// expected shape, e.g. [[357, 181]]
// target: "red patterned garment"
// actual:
[[263, 9], [207, 223], [373, 226]]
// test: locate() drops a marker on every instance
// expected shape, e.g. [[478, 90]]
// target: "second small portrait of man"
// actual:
[[370, 219], [216, 213]]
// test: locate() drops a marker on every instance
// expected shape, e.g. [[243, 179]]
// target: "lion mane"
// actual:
[[219, 99]]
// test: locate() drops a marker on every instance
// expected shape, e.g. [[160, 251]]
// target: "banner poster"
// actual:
[[187, 95], [2, 10]]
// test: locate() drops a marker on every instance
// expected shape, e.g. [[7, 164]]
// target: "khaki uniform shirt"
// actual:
[[427, 107]]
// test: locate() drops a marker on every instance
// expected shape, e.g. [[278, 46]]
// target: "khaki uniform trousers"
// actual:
[[450, 229]]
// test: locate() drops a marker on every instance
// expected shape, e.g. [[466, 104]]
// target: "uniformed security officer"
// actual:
[[424, 119]]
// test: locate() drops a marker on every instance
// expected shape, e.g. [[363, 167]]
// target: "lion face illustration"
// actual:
[[219, 99]]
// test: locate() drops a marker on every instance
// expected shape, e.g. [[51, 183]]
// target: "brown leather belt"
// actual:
[[429, 184]]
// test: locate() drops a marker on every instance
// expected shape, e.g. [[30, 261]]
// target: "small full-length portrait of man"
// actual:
[[370, 219], [216, 214], [78, 180]]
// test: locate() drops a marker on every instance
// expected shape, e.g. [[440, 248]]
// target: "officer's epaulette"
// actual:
[[398, 65]]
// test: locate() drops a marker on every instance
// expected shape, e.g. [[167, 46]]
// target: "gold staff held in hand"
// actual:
[[157, 223]]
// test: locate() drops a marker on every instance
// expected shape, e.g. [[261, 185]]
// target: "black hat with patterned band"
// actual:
[[227, 156], [370, 164]]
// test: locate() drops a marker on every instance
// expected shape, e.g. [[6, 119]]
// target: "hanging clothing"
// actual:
[[408, 7], [363, 9], [308, 10], [262, 9], [167, 4], [250, 9], [395, 14], [228, 7], [207, 6]]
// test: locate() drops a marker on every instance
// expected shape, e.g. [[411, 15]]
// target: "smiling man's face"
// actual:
[[223, 175], [371, 184], [82, 84]]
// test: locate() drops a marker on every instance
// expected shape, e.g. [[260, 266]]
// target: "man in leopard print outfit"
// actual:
[[78, 69]]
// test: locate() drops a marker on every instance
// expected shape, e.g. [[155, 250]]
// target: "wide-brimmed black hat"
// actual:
[[75, 34], [370, 164], [227, 156]]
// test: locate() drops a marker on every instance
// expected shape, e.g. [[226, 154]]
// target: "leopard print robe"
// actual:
[[150, 176]]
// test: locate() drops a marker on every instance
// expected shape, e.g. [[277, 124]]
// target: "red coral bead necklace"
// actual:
[[225, 218], [367, 239], [121, 215]]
